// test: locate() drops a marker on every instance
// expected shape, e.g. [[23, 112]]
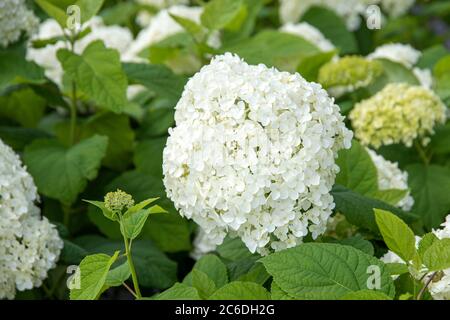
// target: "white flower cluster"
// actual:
[[310, 34], [405, 55], [253, 153], [29, 244], [202, 244], [439, 287], [349, 10], [114, 37], [391, 177], [15, 18]]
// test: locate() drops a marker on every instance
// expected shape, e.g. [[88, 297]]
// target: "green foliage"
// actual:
[[238, 290]]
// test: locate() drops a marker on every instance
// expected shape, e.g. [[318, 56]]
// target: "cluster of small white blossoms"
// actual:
[[15, 18], [144, 16], [202, 245], [114, 37], [407, 56], [399, 113], [163, 26], [253, 154], [391, 177], [439, 287], [310, 34], [29, 244]]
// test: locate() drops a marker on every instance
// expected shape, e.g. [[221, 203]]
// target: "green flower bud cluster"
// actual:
[[400, 113], [348, 74], [118, 201]]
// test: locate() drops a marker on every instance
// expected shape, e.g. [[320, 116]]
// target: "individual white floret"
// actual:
[[253, 152]]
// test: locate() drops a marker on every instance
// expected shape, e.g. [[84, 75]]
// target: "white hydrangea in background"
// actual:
[[253, 154], [391, 177], [309, 33], [349, 10], [405, 55], [439, 287], [144, 17], [114, 37], [15, 18], [202, 244], [29, 244]]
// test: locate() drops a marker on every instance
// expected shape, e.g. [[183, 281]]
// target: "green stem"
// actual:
[[422, 291], [421, 152], [132, 269], [73, 113]]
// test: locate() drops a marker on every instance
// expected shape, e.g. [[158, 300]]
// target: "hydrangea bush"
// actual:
[[224, 149]]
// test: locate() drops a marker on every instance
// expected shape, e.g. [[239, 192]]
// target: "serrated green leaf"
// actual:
[[278, 294], [217, 14], [398, 237], [325, 271], [23, 106], [213, 267], [72, 253], [93, 272], [107, 213], [397, 268], [437, 256], [139, 206], [359, 243], [426, 242], [132, 224], [179, 292], [365, 295], [62, 173], [98, 74], [204, 285], [238, 290]]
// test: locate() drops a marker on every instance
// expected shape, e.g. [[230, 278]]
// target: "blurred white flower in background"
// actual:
[[15, 19], [405, 55], [144, 17], [391, 177], [29, 244], [253, 153], [309, 33], [114, 37]]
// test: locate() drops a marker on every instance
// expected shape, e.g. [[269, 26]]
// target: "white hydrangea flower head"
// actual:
[[391, 177], [114, 37], [396, 8], [15, 19], [29, 244], [309, 33], [349, 10], [399, 113], [253, 153]]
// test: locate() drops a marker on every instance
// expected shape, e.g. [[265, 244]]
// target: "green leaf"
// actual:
[[275, 49], [426, 242], [106, 212], [278, 294], [93, 272], [398, 237], [23, 106], [439, 141], [393, 73], [179, 292], [441, 73], [148, 156], [217, 14], [139, 206], [213, 267], [238, 290], [21, 71], [53, 10], [233, 249], [332, 27], [256, 274], [437, 256], [309, 66], [324, 271], [98, 74], [359, 243], [366, 295], [117, 276], [72, 253], [191, 27], [358, 209], [132, 224], [397, 268], [157, 78], [204, 285], [431, 55], [62, 173], [429, 188]]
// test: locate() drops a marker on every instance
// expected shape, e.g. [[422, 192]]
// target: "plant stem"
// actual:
[[422, 153], [73, 113], [419, 296], [131, 265]]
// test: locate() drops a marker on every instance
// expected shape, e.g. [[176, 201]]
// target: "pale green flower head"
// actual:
[[348, 74], [400, 113], [118, 201]]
